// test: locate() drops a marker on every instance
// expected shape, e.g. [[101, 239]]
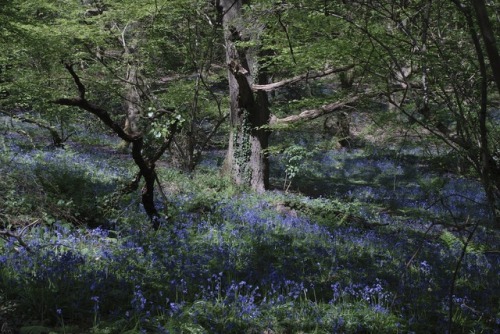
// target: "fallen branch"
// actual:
[[56, 138], [18, 236]]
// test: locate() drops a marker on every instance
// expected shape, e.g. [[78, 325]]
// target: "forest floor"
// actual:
[[375, 238]]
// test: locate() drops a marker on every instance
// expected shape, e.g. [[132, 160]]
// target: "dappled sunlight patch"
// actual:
[[390, 182], [371, 256], [242, 265]]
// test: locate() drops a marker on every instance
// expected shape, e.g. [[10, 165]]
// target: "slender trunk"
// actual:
[[132, 96], [423, 52], [132, 101], [148, 172], [487, 165], [492, 182], [488, 38], [146, 166]]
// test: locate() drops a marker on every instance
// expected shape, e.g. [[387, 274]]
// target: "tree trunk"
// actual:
[[487, 166], [146, 165], [488, 38], [147, 169], [132, 95], [246, 160], [132, 101], [491, 168]]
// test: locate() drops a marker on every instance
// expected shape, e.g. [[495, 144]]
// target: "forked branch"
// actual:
[[84, 104], [146, 165]]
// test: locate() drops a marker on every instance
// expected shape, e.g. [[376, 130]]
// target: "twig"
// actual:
[[455, 275], [410, 261], [6, 234], [285, 29]]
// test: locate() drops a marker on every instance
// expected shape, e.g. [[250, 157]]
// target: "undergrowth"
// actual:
[[232, 261]]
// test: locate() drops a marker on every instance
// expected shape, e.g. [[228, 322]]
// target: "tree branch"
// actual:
[[56, 138], [287, 38], [146, 166], [76, 79], [314, 75], [311, 114], [173, 128], [18, 236], [82, 103], [101, 114]]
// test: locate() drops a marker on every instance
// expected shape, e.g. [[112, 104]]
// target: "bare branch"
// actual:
[[18, 236], [56, 138], [311, 114], [76, 78], [308, 75], [102, 114], [213, 132], [123, 38], [285, 29]]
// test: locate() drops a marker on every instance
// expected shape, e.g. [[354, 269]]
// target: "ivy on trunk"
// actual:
[[246, 160]]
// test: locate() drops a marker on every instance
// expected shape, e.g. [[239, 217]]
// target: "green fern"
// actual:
[[35, 330], [451, 241]]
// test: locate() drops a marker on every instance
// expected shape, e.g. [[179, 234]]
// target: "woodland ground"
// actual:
[[384, 237]]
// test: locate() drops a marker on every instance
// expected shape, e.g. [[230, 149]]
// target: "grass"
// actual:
[[375, 254]]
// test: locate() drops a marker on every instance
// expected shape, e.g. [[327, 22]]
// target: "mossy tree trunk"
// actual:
[[246, 160]]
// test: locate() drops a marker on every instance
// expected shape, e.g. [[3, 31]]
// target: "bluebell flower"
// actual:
[[138, 300], [95, 299]]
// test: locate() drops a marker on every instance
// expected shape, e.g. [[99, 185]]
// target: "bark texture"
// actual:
[[489, 40], [246, 160]]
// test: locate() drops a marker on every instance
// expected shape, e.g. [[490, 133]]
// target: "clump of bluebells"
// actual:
[[232, 262], [393, 181], [243, 266]]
